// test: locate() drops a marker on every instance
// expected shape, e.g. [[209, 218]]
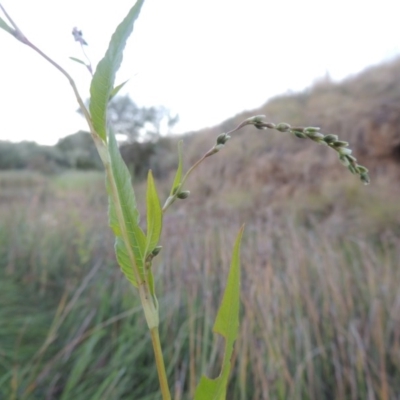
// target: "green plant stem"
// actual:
[[155, 338], [70, 80], [209, 153], [171, 199], [23, 39]]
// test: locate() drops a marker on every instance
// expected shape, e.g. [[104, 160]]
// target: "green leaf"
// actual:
[[178, 175], [227, 325], [6, 27], [78, 60], [130, 244], [150, 280], [104, 77], [154, 215], [154, 227], [116, 90]]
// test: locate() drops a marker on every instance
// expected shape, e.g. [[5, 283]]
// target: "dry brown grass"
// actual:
[[320, 298]]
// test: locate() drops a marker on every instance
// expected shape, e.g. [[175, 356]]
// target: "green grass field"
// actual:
[[320, 295]]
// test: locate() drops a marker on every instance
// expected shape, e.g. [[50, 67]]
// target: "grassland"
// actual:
[[320, 293]]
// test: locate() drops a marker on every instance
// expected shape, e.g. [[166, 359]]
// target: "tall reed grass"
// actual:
[[320, 305]]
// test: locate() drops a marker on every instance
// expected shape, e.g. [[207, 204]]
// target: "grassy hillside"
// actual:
[[363, 110]]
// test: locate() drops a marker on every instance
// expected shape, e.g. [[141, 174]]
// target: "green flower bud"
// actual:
[[218, 147], [282, 127], [331, 138], [299, 134], [315, 135], [362, 170], [351, 158], [183, 195], [352, 169], [340, 143], [256, 119], [365, 178], [156, 251], [312, 129], [223, 138], [344, 151], [344, 160]]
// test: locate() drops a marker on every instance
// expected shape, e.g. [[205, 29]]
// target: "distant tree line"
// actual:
[[143, 147]]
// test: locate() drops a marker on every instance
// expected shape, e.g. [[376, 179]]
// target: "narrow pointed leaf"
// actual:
[[154, 227], [178, 175], [154, 215], [77, 60], [130, 244], [6, 27], [115, 91], [150, 280], [227, 325], [104, 76]]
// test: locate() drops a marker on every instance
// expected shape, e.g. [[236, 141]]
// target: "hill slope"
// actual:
[[363, 110]]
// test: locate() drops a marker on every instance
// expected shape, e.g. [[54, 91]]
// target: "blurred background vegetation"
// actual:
[[320, 256]]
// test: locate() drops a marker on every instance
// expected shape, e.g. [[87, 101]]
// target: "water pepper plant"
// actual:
[[136, 248]]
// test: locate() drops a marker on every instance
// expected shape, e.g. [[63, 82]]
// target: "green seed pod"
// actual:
[[156, 251], [183, 195], [282, 127], [300, 135], [352, 169], [351, 158], [365, 178], [344, 160], [312, 129], [344, 151], [340, 143], [223, 138], [315, 135], [362, 170], [331, 138], [257, 121], [256, 118]]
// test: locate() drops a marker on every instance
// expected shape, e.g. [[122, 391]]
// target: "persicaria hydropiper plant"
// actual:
[[135, 248]]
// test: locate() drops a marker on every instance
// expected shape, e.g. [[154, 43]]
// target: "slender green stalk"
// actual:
[[209, 153], [155, 339]]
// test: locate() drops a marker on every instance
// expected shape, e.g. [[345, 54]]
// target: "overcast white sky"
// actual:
[[205, 60]]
